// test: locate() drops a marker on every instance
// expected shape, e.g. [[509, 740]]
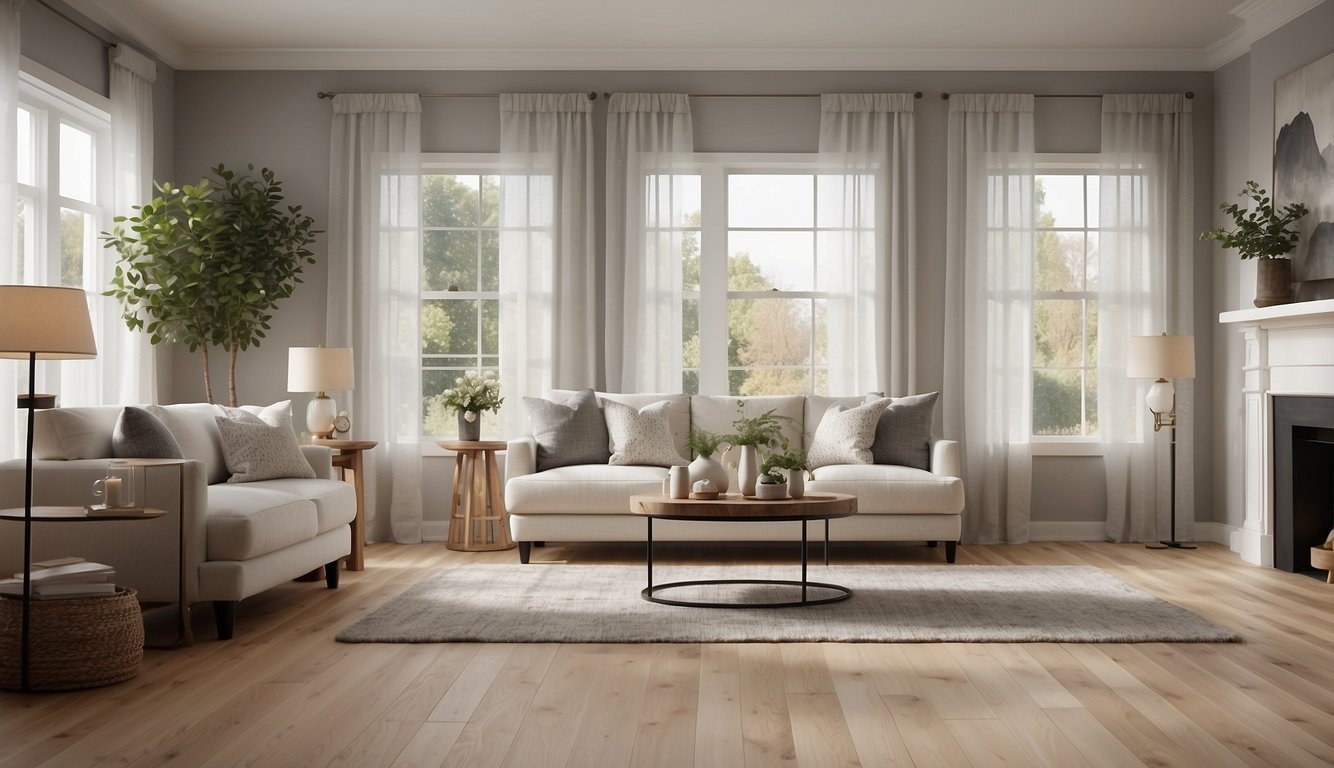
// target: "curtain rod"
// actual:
[[91, 33], [592, 95], [1189, 95]]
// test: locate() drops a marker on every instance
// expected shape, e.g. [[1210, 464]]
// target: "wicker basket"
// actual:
[[80, 642]]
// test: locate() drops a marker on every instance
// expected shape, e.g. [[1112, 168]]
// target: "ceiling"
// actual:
[[694, 34]]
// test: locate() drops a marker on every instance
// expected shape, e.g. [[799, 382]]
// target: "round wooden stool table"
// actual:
[[477, 520]]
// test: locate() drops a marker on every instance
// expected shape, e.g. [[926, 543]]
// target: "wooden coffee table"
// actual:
[[735, 508]]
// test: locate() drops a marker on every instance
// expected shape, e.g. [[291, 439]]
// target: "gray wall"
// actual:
[[1244, 131], [274, 119]]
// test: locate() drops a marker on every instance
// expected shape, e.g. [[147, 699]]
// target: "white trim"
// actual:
[[126, 23], [56, 86], [1214, 533], [1067, 530], [1058, 447], [1261, 17]]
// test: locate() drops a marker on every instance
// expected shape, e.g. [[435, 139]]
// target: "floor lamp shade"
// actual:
[[320, 370], [1161, 357], [46, 322]]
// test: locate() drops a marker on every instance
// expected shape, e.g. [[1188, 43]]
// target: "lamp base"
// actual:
[[1171, 545], [320, 415]]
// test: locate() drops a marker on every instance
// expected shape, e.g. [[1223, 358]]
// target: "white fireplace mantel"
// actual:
[[1289, 350]]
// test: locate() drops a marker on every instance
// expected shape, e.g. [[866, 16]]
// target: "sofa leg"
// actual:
[[224, 615], [932, 544], [525, 549], [539, 543], [951, 547], [331, 574]]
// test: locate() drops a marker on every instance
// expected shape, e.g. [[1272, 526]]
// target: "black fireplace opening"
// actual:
[[1303, 480]]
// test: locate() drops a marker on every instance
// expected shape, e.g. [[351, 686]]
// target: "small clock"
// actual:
[[342, 424]]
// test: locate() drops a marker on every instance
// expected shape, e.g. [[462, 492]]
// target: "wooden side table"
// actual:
[[347, 458], [477, 519]]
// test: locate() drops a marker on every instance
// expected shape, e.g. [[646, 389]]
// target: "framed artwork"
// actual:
[[1304, 162]]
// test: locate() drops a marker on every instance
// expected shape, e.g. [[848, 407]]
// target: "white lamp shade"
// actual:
[[50, 322], [319, 369], [1161, 357]]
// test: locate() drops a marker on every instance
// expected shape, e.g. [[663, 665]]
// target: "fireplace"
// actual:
[[1303, 479]]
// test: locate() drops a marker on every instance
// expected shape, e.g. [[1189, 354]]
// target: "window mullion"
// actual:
[[713, 274]]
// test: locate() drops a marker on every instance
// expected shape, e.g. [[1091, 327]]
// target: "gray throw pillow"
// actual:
[[903, 435], [139, 434], [569, 432]]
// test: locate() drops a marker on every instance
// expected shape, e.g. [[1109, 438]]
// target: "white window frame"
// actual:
[[1088, 165]]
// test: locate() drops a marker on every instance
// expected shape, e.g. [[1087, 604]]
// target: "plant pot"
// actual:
[[709, 468], [470, 431], [796, 483], [747, 470], [1273, 282], [770, 491]]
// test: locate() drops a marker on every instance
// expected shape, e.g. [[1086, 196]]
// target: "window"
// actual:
[[1065, 300], [460, 285], [750, 263]]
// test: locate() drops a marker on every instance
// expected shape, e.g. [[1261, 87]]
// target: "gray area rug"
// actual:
[[892, 603]]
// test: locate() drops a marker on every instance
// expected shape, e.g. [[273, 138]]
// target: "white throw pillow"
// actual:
[[845, 435], [261, 446], [641, 436]]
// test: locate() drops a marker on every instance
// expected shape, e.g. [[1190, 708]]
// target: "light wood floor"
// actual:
[[284, 693]]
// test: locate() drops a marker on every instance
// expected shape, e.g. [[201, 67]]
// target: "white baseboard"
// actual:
[[1067, 530]]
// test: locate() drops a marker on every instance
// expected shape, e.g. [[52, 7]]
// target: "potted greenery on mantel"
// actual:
[[205, 264], [1264, 234]]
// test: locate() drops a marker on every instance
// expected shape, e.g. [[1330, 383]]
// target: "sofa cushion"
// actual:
[[245, 522], [715, 413], [569, 431], [903, 435], [193, 426], [74, 433], [815, 408], [586, 489], [845, 435], [335, 500], [641, 435], [887, 489], [255, 450], [678, 411], [139, 434]]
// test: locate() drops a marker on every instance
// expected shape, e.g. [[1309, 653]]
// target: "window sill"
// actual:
[[1066, 448]]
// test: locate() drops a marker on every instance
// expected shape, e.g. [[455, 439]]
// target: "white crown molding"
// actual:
[[1260, 17], [491, 59], [127, 24]]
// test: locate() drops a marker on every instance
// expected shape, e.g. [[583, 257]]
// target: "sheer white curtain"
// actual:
[[648, 140], [374, 285], [129, 370], [989, 219], [867, 242], [548, 273], [9, 100], [1146, 278]]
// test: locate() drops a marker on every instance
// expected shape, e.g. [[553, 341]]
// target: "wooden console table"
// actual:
[[477, 519], [347, 458]]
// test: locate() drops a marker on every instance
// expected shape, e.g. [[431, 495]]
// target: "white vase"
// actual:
[[796, 483], [771, 491], [709, 468], [747, 470]]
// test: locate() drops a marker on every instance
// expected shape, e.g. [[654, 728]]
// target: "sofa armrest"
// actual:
[[521, 457], [320, 458], [945, 458]]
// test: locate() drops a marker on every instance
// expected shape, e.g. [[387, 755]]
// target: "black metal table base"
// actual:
[[1171, 545], [650, 593]]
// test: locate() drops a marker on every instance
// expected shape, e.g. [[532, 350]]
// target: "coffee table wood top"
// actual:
[[732, 506]]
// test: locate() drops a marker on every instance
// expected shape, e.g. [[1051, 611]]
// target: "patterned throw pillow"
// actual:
[[641, 436], [904, 434], [845, 435], [255, 449], [569, 432], [141, 435]]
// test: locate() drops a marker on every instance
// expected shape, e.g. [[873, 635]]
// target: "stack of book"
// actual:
[[65, 577]]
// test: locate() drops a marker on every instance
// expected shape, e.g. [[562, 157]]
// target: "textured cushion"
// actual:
[[141, 435], [255, 450], [678, 413], [903, 435], [192, 424], [73, 433], [335, 500], [569, 432], [845, 435], [245, 522], [589, 489], [884, 489], [816, 405], [641, 435]]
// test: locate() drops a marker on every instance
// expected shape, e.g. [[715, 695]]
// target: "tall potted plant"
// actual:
[[206, 264], [1265, 234], [752, 434]]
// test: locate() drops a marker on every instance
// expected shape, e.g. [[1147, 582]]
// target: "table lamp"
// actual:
[[1161, 358], [39, 322], [319, 370]]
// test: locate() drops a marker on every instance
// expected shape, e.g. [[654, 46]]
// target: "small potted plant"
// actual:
[[1265, 234], [473, 393], [794, 462], [704, 444], [752, 434], [772, 486]]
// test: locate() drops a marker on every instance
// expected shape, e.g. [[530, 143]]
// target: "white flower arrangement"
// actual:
[[474, 392]]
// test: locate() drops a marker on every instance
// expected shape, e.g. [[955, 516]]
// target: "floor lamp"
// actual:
[[39, 322], [1161, 358]]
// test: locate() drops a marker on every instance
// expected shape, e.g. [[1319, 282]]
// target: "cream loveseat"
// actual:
[[590, 501], [241, 537]]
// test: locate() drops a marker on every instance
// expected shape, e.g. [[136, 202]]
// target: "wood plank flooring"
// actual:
[[283, 693]]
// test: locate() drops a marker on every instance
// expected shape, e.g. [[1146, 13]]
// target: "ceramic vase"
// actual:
[[771, 491], [796, 483], [709, 468], [470, 431], [747, 470], [1273, 282]]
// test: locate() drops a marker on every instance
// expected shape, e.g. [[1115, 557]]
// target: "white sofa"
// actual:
[[241, 538], [590, 502]]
